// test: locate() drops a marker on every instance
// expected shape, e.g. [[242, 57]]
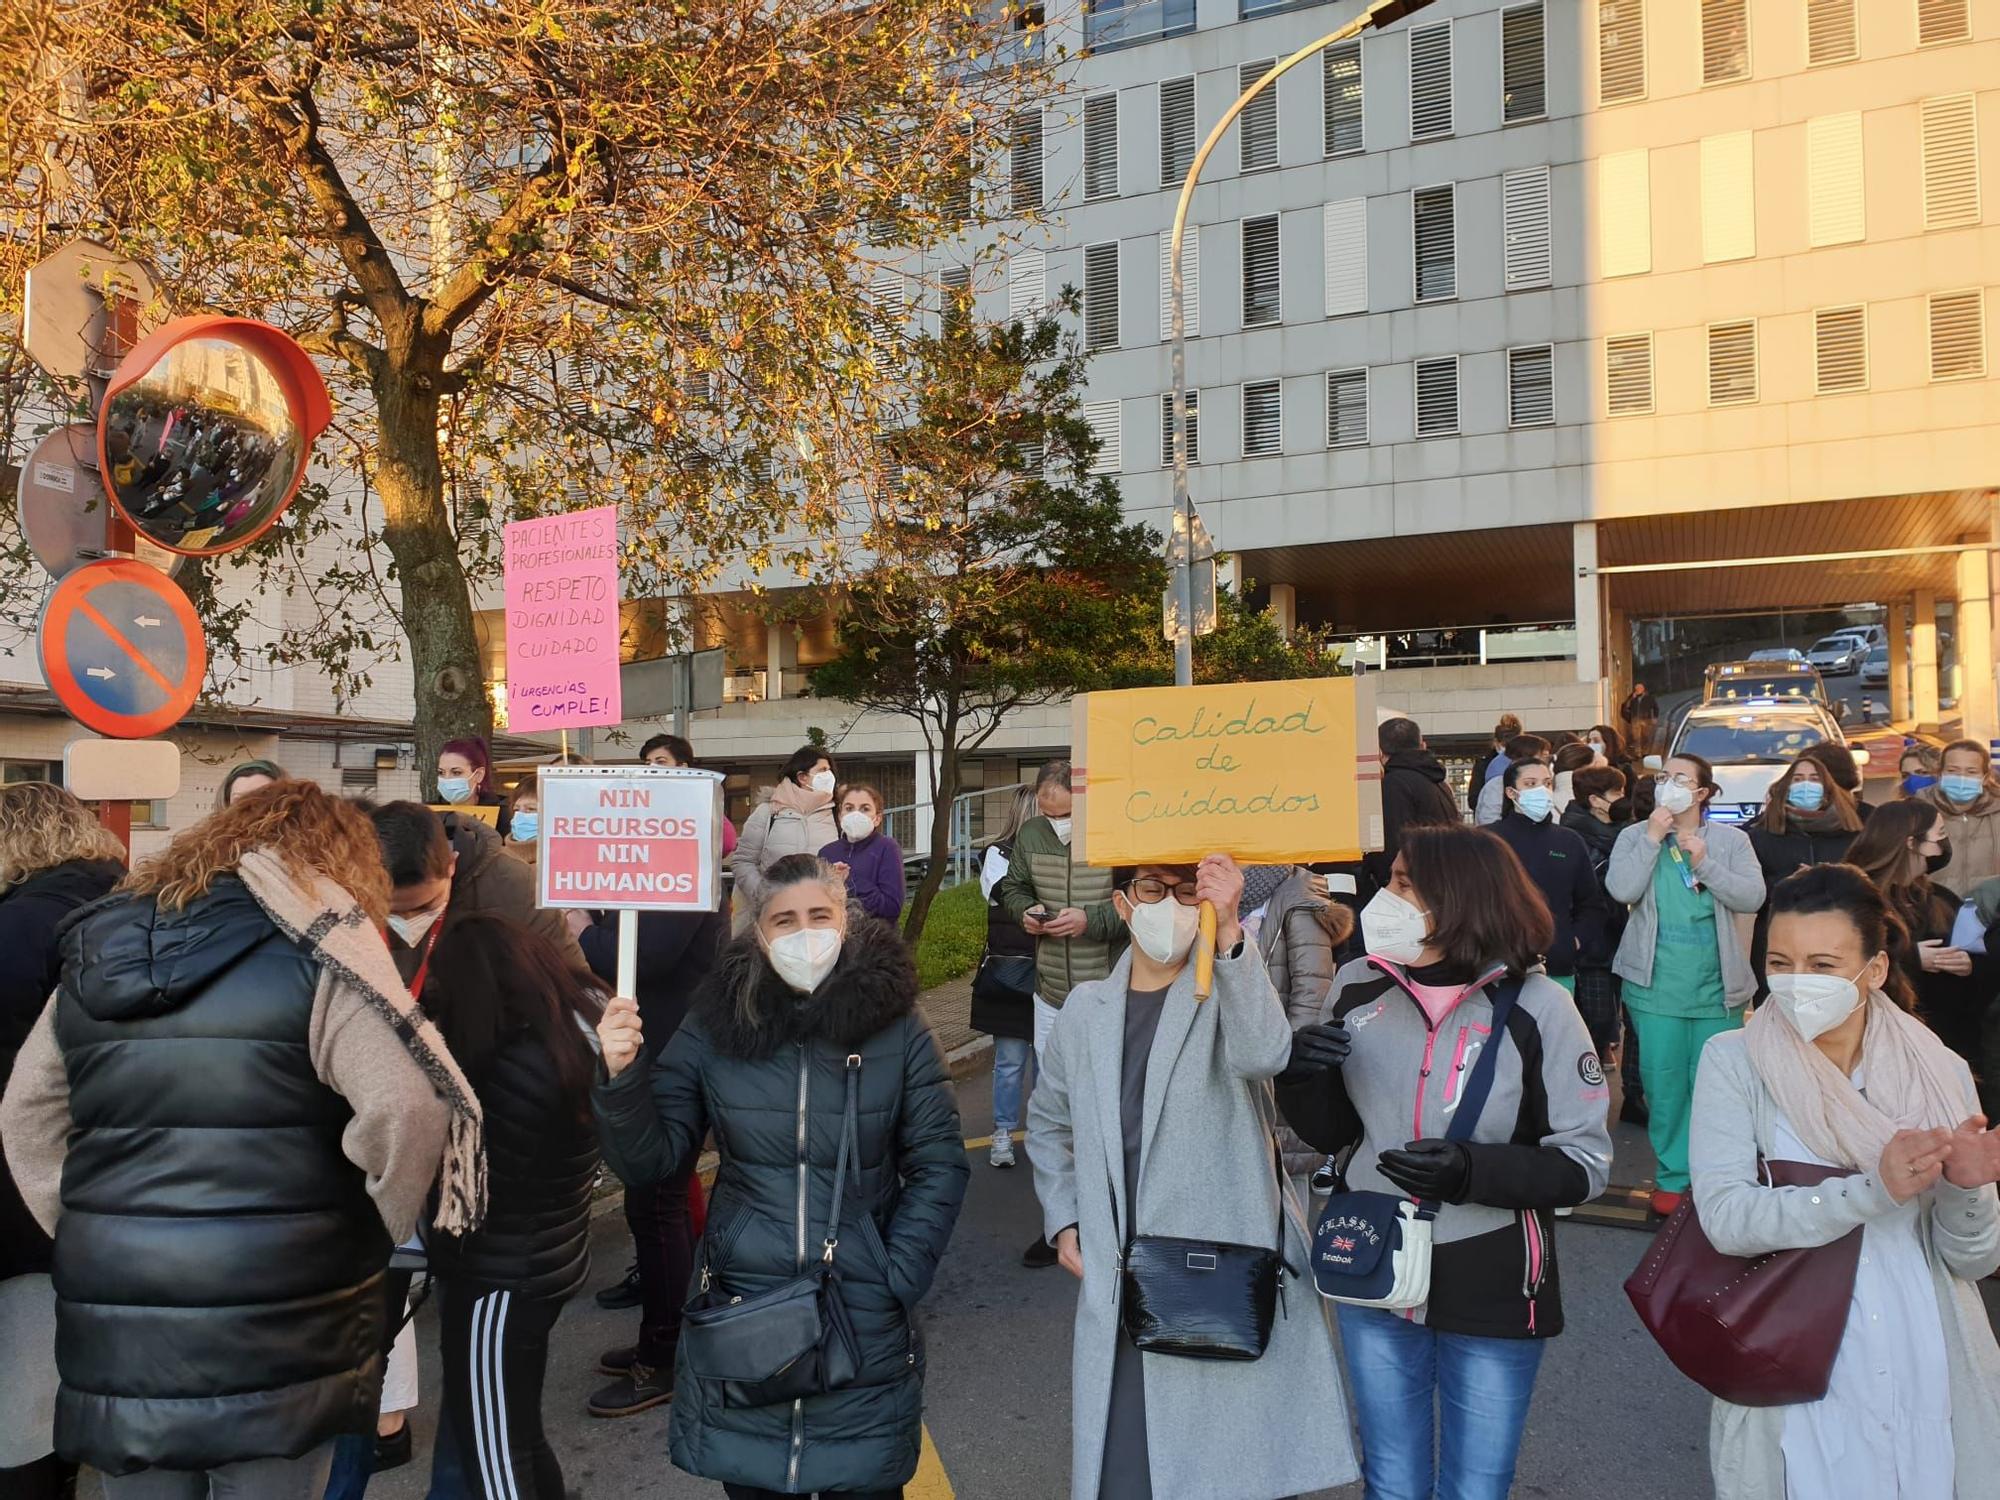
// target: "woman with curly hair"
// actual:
[[227, 1116]]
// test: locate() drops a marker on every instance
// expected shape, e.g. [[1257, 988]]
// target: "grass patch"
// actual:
[[954, 935]]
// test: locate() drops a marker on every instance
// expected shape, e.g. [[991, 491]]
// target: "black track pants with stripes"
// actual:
[[496, 1350]]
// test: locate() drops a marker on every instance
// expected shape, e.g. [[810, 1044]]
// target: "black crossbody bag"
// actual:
[[794, 1340]]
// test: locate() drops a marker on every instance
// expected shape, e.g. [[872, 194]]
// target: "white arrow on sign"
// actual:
[[146, 622], [105, 672]]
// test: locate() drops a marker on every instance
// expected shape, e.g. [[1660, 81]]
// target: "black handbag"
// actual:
[[1201, 1299], [1005, 978], [795, 1339]]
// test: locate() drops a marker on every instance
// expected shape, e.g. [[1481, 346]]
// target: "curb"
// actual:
[[969, 1060]]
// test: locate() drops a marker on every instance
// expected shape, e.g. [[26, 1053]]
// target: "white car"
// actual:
[[1750, 744], [1778, 653], [1875, 667], [1839, 654]]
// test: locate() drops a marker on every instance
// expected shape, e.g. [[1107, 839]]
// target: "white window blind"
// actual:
[[1437, 397], [1624, 213], [1434, 231], [1951, 161], [1177, 137], [1100, 296], [1261, 279], [1958, 334], [1732, 363], [1263, 431], [1524, 85], [1621, 50], [1840, 349], [1027, 283], [1725, 41], [1341, 98], [886, 301], [1531, 386], [1344, 236], [1025, 162], [1257, 126], [1167, 428], [955, 300], [1830, 35], [1346, 408], [1628, 374], [1100, 146], [1834, 180], [1430, 80], [1943, 21], [1190, 281], [1728, 199], [1102, 418], [1524, 211], [958, 206]]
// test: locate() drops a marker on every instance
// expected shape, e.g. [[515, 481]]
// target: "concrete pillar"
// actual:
[[1899, 663], [1924, 661], [1589, 605], [781, 652], [1617, 659], [1284, 606], [926, 788], [1975, 646]]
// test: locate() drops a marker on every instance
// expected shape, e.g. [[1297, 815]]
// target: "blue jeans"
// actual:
[[354, 1463], [1010, 1066], [1396, 1367]]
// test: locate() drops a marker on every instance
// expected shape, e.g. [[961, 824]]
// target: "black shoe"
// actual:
[[1039, 1256], [639, 1389], [1634, 1111], [393, 1451], [621, 1294], [618, 1361], [1323, 1180]]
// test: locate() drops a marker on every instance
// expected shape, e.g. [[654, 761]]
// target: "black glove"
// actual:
[[1430, 1168], [1316, 1050]]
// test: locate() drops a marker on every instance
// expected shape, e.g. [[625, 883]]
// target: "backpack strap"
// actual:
[[1506, 992]]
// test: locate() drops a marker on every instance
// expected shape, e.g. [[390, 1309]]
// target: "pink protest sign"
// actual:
[[562, 621], [630, 838]]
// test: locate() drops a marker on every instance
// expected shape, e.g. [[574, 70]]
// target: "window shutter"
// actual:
[[1531, 386], [1341, 97], [1430, 80], [1830, 35], [1834, 180], [1524, 208], [955, 300], [1434, 228], [1437, 397], [1261, 280], [1943, 21], [1102, 417], [1958, 334], [1725, 41], [1100, 296], [1624, 213], [1027, 284], [1732, 363], [1524, 88], [1190, 281], [886, 302], [1177, 137], [1628, 374], [1951, 161], [1025, 165], [1728, 201], [1344, 237], [1167, 428], [1621, 50], [958, 202], [1100, 146], [1346, 408], [1257, 126], [1840, 349], [1263, 433]]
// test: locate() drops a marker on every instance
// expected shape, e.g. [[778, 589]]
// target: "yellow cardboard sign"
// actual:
[[1271, 772], [479, 812]]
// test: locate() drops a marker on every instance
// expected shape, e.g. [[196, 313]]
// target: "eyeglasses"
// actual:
[[1146, 890], [1679, 778]]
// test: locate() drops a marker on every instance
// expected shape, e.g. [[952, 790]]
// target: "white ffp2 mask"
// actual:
[[1063, 827], [1816, 1003], [804, 958], [1165, 929], [1674, 797], [1393, 928]]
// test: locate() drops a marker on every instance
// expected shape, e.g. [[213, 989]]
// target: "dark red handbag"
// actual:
[[1759, 1330]]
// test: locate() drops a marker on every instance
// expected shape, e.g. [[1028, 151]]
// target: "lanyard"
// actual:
[[1682, 867], [424, 966]]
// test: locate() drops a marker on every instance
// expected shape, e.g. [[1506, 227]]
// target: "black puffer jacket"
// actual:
[[1782, 854], [541, 1160], [218, 1261], [772, 1090]]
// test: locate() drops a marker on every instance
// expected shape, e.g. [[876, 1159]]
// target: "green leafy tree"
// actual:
[[1247, 645]]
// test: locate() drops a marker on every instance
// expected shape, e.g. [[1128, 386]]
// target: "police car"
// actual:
[[1740, 681], [1750, 742]]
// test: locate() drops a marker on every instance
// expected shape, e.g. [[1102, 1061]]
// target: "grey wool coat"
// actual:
[[1254, 1430]]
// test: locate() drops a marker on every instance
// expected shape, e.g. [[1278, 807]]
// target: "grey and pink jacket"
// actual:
[[1541, 1142]]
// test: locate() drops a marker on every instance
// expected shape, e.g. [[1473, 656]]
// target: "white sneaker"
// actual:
[[1002, 1154]]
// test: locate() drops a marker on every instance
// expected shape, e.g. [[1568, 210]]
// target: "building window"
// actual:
[[1725, 41], [1941, 21], [1341, 98], [1732, 363], [1434, 229], [1524, 212], [1346, 408], [955, 301], [1840, 349], [1834, 180], [13, 772], [1430, 81], [1621, 50], [1628, 374], [1177, 138], [1100, 296], [1190, 281], [1167, 428], [1958, 334], [1102, 418], [1025, 162], [1437, 397], [1257, 126], [1027, 284], [1344, 236], [1524, 83], [1261, 282], [1263, 430], [1127, 23], [1830, 33], [1951, 162], [1100, 146], [1728, 198], [1531, 386], [1624, 214], [886, 303]]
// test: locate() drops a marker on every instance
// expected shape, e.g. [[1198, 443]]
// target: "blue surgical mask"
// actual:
[[1535, 803], [1960, 788], [1916, 782], [525, 827], [1806, 796], [455, 789]]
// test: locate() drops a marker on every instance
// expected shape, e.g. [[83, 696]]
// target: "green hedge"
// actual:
[[954, 935]]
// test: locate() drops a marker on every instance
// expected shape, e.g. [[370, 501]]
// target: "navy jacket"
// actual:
[[1558, 861], [676, 951], [874, 873]]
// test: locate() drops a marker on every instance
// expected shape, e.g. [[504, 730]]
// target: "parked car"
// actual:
[[1778, 653], [1750, 744], [1837, 655], [1875, 667], [1868, 635], [1743, 681]]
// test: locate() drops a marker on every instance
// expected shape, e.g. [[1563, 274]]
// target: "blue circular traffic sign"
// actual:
[[122, 649]]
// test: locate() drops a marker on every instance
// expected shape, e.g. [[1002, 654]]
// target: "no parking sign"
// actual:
[[121, 648]]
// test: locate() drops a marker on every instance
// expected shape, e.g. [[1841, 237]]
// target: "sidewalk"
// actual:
[[949, 1006]]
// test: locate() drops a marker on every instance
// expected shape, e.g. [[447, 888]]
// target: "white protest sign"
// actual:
[[630, 838]]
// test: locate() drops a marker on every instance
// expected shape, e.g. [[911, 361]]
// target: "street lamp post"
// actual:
[[1180, 547]]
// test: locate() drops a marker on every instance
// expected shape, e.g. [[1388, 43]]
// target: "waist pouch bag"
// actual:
[[791, 1341], [1374, 1249], [1756, 1330], [1005, 978]]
